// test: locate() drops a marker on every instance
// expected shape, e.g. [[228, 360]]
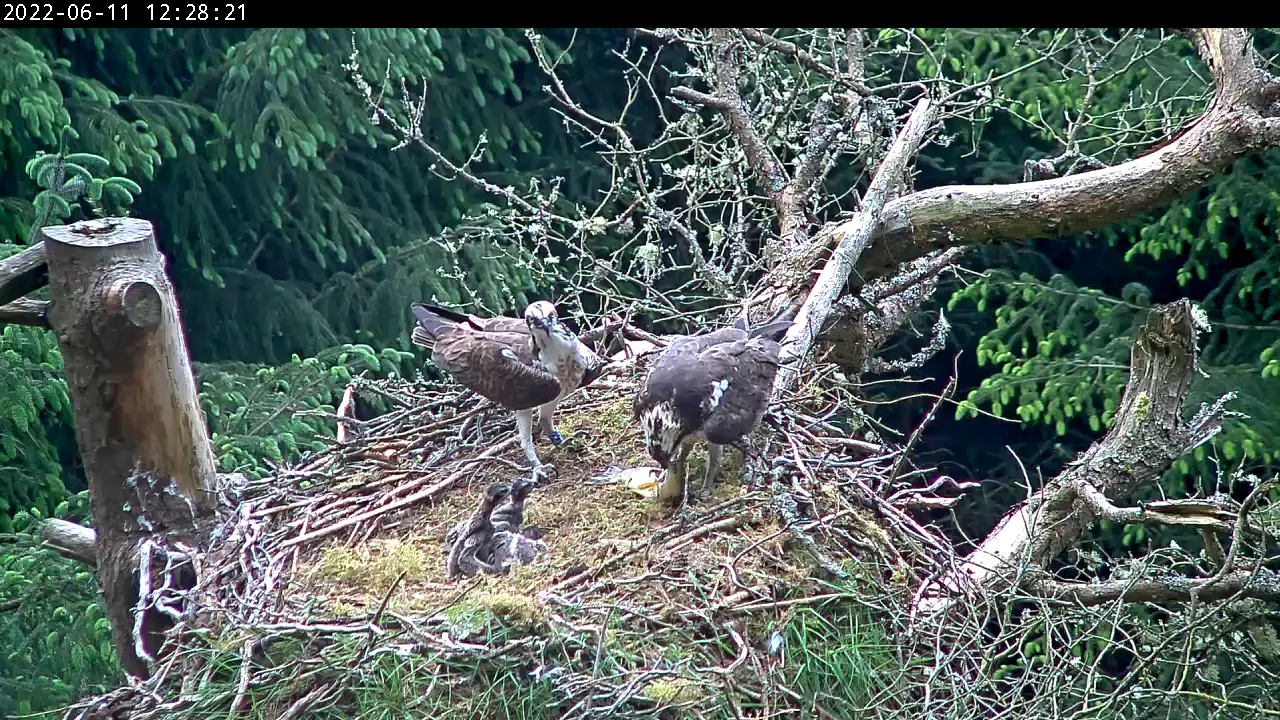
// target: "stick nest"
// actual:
[[321, 590]]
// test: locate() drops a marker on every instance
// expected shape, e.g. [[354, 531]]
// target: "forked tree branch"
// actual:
[[1148, 435], [854, 236], [1240, 121]]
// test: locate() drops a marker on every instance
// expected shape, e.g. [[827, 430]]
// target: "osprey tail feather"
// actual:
[[432, 321], [773, 331]]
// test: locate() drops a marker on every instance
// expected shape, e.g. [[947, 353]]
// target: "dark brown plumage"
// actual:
[[500, 365], [517, 364], [714, 387]]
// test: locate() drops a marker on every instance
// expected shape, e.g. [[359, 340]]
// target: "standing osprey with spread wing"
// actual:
[[517, 364], [712, 387]]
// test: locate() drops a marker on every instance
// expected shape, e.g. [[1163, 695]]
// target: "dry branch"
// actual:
[[70, 540], [854, 236], [22, 273], [1261, 585], [1147, 436], [1239, 122], [24, 311]]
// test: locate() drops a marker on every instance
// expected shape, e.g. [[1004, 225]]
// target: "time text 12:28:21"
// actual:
[[196, 12]]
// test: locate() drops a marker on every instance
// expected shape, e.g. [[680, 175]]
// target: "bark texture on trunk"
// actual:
[[139, 426]]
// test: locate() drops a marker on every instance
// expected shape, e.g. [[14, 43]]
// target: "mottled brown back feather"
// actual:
[[500, 366], [690, 367], [745, 400]]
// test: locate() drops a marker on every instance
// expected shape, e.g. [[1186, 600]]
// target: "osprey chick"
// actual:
[[712, 387], [518, 365], [508, 516], [467, 540]]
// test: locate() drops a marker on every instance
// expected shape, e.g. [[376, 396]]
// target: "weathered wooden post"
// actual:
[[138, 421]]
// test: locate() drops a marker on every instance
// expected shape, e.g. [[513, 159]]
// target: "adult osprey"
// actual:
[[712, 387], [517, 364]]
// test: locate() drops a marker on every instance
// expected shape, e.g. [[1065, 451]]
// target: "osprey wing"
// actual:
[[676, 370], [499, 366], [595, 365], [499, 323], [738, 382]]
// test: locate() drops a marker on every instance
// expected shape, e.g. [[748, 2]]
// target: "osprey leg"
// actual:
[[672, 486], [715, 454], [524, 426], [546, 414]]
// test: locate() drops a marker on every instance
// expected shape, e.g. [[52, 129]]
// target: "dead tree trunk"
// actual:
[[138, 423], [1148, 435]]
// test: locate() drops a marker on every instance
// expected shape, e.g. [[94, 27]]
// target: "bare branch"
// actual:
[[1147, 436], [1239, 123], [23, 273], [853, 81], [854, 236], [70, 540], [1191, 513], [1262, 585], [25, 311], [767, 167]]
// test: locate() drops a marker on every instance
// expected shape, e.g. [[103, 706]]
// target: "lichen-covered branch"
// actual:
[[1261, 585], [1239, 122], [854, 236], [1149, 433]]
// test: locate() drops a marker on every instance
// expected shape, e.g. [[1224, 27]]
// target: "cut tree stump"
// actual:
[[139, 426]]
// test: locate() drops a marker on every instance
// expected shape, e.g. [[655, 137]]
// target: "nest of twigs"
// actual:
[[322, 590]]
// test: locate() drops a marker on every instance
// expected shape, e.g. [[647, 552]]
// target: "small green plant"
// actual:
[[838, 658], [259, 415], [71, 177]]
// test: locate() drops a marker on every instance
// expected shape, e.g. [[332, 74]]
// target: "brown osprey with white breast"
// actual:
[[517, 364], [712, 387]]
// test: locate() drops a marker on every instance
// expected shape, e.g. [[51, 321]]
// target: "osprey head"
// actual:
[[543, 320], [663, 432], [496, 492]]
